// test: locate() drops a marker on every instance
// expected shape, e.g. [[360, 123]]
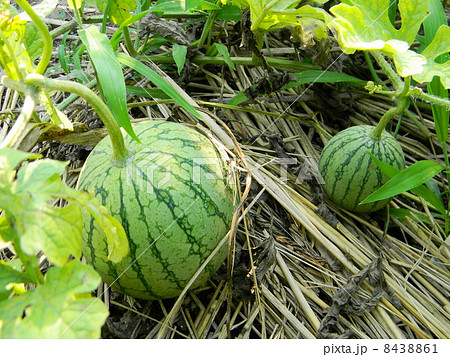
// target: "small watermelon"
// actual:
[[349, 173], [174, 203]]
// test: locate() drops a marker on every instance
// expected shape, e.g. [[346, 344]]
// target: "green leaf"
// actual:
[[33, 41], [238, 99], [431, 196], [365, 25], [114, 232], [10, 276], [41, 179], [403, 213], [76, 4], [116, 38], [268, 15], [7, 234], [410, 178], [109, 74], [56, 231], [119, 10], [9, 159], [158, 81], [56, 309], [229, 13], [440, 45], [40, 226], [14, 57], [58, 117], [223, 51], [179, 53], [409, 63]]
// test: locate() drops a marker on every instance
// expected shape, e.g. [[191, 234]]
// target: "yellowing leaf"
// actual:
[[365, 25], [74, 4], [439, 45], [115, 234], [409, 63]]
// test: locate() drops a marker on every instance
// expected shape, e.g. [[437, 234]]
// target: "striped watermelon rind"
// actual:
[[349, 174], [174, 202]]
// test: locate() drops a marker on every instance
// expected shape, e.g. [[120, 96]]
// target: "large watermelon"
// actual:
[[173, 201], [349, 174]]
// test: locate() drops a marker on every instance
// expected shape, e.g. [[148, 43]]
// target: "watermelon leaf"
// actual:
[[56, 309], [431, 25], [24, 196], [9, 159], [56, 231], [408, 179], [311, 76], [439, 46], [118, 11], [109, 75], [11, 278], [353, 22]]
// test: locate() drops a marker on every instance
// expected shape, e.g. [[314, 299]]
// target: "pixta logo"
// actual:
[[156, 170]]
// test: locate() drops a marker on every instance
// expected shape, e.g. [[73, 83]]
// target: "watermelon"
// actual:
[[174, 203], [349, 173]]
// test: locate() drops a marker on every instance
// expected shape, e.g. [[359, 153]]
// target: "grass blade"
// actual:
[[408, 179], [157, 80], [109, 75]]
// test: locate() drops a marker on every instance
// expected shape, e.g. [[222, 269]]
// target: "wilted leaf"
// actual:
[[157, 80], [10, 274]]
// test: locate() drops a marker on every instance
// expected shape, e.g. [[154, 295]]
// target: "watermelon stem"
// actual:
[[47, 42], [120, 152], [402, 103], [387, 68]]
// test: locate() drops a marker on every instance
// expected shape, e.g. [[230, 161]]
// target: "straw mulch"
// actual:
[[298, 266]]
